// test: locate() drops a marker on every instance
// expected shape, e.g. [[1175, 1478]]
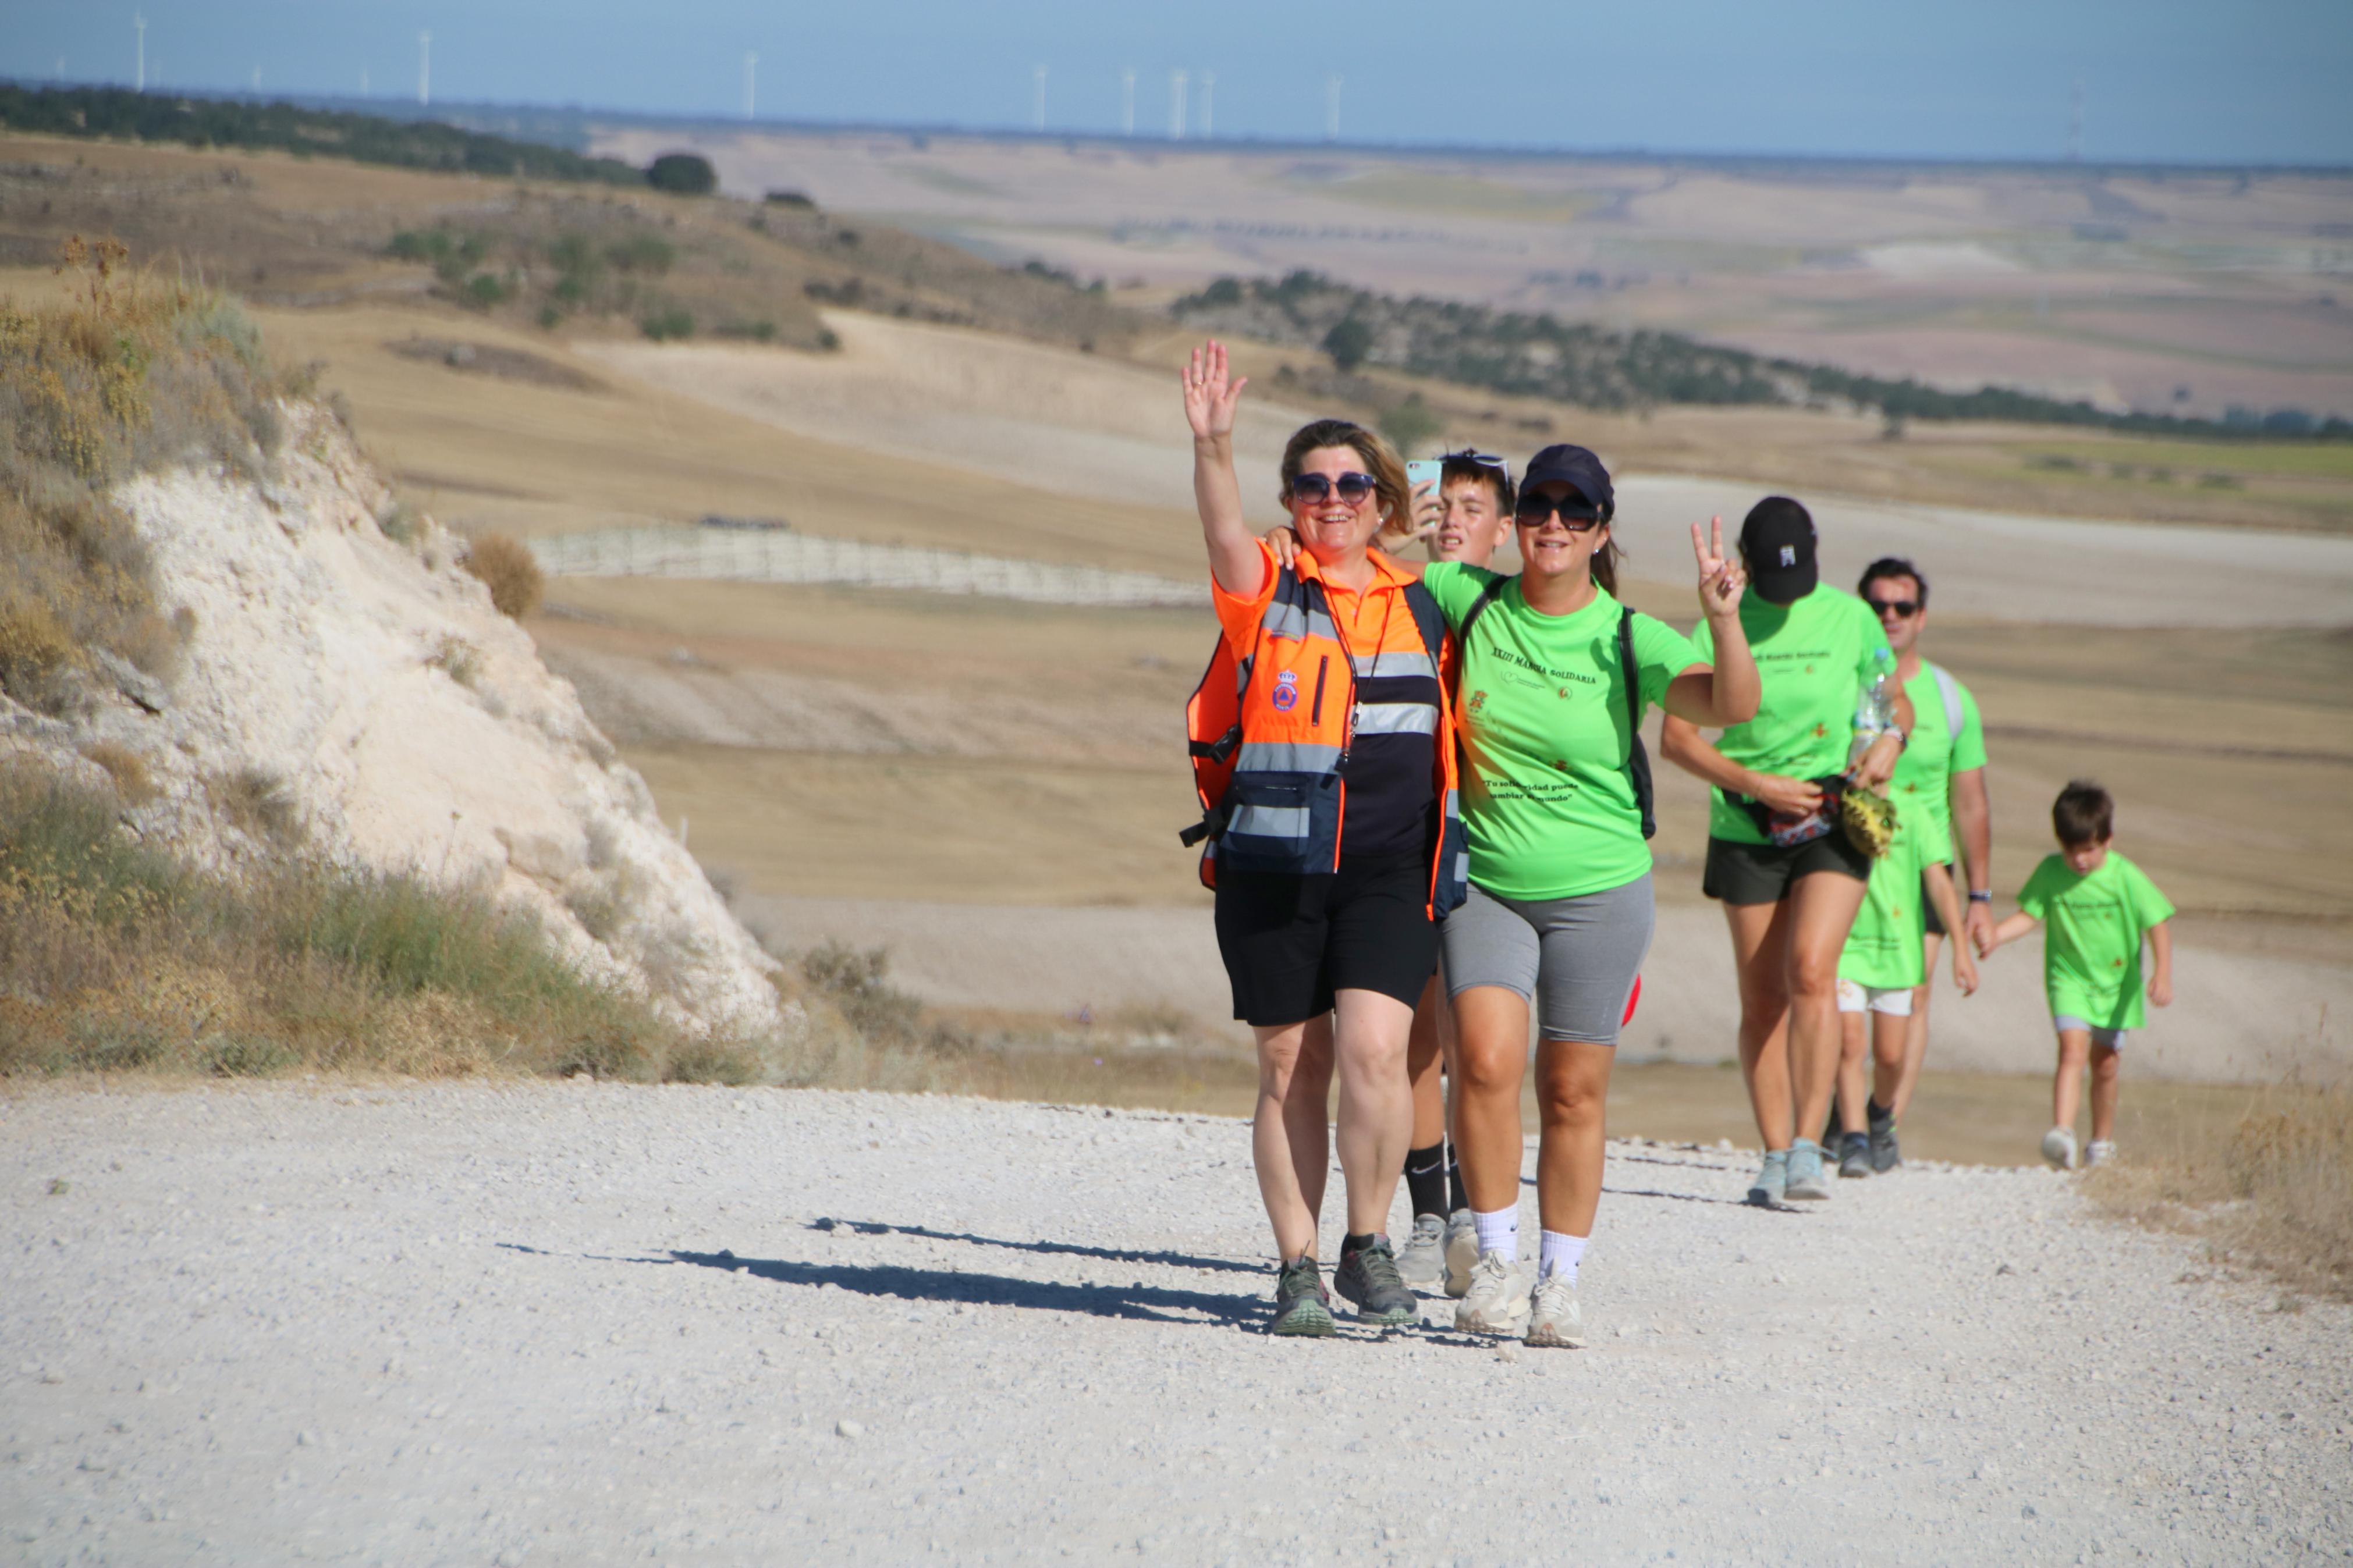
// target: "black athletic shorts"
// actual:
[[1929, 906], [1288, 942], [1761, 873]]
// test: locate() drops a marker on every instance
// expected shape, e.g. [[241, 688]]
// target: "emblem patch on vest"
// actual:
[[1286, 691]]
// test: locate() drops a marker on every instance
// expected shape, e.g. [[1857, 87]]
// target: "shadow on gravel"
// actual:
[[1684, 1197], [1064, 1249], [1139, 1303]]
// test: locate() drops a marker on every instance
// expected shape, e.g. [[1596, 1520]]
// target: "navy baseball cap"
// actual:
[[1777, 540], [1574, 465]]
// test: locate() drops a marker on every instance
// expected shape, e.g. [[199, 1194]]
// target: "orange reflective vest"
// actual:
[[1271, 734]]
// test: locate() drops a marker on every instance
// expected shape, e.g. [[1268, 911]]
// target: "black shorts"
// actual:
[[1761, 873], [1288, 942], [1929, 906]]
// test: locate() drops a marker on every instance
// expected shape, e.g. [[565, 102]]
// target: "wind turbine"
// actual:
[[1177, 106], [1332, 110], [363, 82], [256, 81], [2075, 124], [751, 64], [424, 69], [139, 21], [1126, 101], [1038, 112], [1209, 101]]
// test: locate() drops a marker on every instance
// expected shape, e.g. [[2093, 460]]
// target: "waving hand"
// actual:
[[1211, 392]]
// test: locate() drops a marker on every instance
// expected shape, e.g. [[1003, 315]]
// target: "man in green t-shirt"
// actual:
[[1791, 881], [1942, 773], [2097, 907]]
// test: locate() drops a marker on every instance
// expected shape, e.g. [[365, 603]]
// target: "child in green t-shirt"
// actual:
[[2099, 906], [1884, 957]]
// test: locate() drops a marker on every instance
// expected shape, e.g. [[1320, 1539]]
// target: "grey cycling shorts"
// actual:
[[1574, 959]]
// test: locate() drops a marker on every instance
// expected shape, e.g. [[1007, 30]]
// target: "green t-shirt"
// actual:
[[1540, 709], [1816, 658], [1887, 946], [2092, 930], [1933, 753]]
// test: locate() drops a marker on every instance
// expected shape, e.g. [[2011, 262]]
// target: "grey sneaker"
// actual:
[[1495, 1303], [1301, 1306], [1855, 1155], [1553, 1316], [1886, 1154], [1368, 1277], [2059, 1148], [1462, 1251], [1805, 1184], [1772, 1183], [1422, 1264], [2099, 1151]]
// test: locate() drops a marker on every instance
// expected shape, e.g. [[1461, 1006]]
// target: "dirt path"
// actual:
[[561, 1323]]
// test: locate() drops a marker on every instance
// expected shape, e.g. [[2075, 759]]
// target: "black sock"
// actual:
[[1880, 1116], [1349, 1244], [1425, 1178], [1454, 1180]]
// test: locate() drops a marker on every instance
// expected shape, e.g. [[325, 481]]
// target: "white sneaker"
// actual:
[[1423, 1262], [1462, 1251], [2059, 1148], [1496, 1301], [1553, 1316], [2100, 1149]]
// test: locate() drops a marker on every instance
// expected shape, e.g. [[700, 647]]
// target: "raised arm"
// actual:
[[1210, 396], [1729, 692]]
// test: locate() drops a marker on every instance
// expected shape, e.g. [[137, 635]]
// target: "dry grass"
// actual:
[[509, 570], [126, 767], [124, 374], [2272, 1190]]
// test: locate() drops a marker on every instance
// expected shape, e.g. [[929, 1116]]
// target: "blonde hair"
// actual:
[[1381, 461]]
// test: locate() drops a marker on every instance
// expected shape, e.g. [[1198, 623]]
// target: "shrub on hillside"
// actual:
[[510, 571], [682, 175], [662, 325], [125, 376]]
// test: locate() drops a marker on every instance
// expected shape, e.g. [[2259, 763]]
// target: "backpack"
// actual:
[[1638, 757], [1950, 690]]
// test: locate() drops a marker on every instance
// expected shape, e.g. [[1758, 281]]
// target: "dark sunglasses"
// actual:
[[1576, 514], [1484, 460], [1903, 609], [1316, 488]]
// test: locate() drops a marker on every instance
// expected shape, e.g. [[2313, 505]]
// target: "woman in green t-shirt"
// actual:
[[1789, 881], [1548, 713]]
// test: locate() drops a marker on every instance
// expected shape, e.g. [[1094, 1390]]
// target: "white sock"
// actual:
[[1561, 1254], [1499, 1231]]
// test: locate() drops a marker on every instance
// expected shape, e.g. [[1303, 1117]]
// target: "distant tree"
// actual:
[[682, 175], [1349, 342], [1410, 426]]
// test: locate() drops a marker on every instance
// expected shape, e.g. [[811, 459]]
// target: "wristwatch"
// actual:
[[1981, 896]]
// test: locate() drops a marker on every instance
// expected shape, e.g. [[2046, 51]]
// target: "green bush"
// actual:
[[484, 290], [661, 325], [641, 252], [682, 175]]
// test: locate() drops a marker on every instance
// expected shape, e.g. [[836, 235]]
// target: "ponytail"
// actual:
[[1605, 565]]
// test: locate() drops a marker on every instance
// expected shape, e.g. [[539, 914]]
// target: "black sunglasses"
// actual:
[[1315, 489], [1903, 608], [1484, 460], [1576, 514]]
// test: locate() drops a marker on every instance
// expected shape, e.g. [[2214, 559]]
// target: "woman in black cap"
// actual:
[[1789, 881]]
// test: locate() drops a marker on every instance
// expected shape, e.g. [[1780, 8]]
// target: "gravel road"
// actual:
[[570, 1323]]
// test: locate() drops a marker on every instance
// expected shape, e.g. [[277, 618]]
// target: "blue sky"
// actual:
[[2257, 81]]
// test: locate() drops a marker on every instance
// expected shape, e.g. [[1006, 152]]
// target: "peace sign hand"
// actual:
[[1210, 394], [1721, 580]]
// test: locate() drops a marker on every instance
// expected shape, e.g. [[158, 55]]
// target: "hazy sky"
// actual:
[[2183, 80]]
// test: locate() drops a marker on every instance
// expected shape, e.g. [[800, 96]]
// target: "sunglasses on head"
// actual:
[[1576, 514], [1902, 608], [1316, 488], [1484, 460]]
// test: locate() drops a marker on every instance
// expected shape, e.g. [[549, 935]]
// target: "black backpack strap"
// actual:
[[1638, 757], [1487, 596]]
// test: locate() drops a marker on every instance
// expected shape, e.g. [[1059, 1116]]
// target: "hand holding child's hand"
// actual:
[[1965, 970]]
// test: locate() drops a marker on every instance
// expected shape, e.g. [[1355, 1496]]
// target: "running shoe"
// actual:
[[1772, 1183], [1423, 1261], [1301, 1306], [2099, 1151], [1855, 1155], [1554, 1318], [1496, 1301], [1462, 1251], [1885, 1154], [1805, 1182], [1368, 1276], [2059, 1148]]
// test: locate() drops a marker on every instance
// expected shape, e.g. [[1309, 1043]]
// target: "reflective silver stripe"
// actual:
[[1414, 662], [1270, 821], [1285, 757], [1296, 622], [1463, 867], [1242, 674], [1453, 801], [1396, 719]]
